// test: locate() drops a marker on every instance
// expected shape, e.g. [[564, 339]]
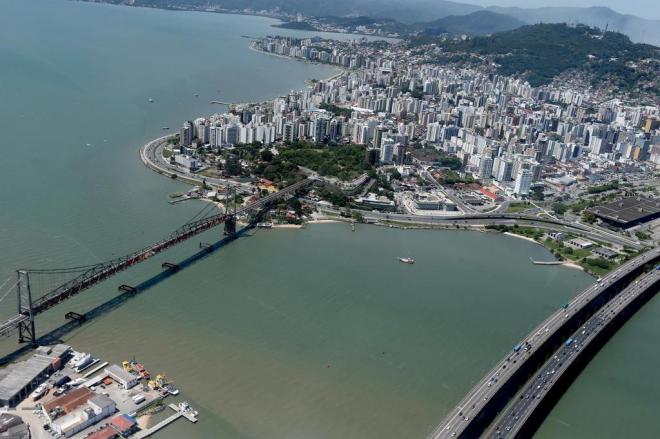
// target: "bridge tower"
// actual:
[[230, 220], [26, 331]]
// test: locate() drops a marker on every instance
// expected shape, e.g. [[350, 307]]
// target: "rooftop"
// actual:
[[70, 400], [17, 376], [104, 433], [627, 210]]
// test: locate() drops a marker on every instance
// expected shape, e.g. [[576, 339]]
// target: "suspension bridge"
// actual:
[[87, 276]]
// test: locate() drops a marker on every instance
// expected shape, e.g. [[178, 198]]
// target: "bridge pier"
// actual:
[[230, 225], [26, 329], [80, 318]]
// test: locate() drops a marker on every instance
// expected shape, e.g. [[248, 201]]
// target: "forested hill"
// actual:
[[476, 23], [541, 52]]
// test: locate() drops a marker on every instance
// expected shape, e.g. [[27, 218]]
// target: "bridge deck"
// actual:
[[98, 273], [549, 376], [10, 325], [500, 377]]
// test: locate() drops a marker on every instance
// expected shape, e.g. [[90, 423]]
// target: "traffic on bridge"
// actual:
[[542, 385], [476, 411]]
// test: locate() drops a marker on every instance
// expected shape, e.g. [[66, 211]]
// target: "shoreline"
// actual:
[[304, 61], [411, 225], [563, 263], [281, 19], [523, 237]]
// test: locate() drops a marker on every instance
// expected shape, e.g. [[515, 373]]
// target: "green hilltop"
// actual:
[[541, 52]]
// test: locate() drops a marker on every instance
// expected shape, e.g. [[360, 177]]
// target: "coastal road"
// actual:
[[503, 374], [152, 156], [492, 219]]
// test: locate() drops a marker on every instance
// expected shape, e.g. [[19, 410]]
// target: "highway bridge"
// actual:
[[539, 395], [473, 415], [29, 307]]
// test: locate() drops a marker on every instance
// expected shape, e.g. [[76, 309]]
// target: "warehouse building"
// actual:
[[123, 378], [628, 212], [19, 379]]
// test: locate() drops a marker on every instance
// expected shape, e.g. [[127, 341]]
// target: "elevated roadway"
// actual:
[[472, 416], [538, 396]]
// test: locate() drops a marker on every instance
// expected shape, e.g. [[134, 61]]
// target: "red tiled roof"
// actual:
[[70, 400], [123, 422], [104, 433]]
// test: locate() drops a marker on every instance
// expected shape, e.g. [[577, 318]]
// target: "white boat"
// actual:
[[185, 408], [39, 391], [407, 260], [77, 382], [76, 356], [82, 361], [171, 389]]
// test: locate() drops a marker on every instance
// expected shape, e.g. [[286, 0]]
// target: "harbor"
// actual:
[[58, 392]]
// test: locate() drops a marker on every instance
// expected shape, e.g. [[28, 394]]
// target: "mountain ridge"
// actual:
[[414, 12]]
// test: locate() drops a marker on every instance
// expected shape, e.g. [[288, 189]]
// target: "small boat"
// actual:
[[186, 408], [151, 100], [39, 392], [80, 359], [77, 382], [142, 371], [171, 389], [407, 260], [166, 128]]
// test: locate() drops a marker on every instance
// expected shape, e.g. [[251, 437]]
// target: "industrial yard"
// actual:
[[58, 392]]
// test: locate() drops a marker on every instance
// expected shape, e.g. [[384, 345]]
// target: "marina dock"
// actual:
[[96, 369], [188, 414]]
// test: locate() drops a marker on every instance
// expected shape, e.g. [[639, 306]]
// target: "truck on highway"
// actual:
[[569, 342], [517, 348]]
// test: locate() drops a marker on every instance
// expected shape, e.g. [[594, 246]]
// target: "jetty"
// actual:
[[546, 262], [179, 412]]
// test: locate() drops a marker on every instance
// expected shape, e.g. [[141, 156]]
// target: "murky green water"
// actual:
[[315, 333]]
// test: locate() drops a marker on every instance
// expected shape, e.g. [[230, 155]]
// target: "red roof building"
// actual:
[[124, 424], [70, 400], [104, 433], [490, 194]]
